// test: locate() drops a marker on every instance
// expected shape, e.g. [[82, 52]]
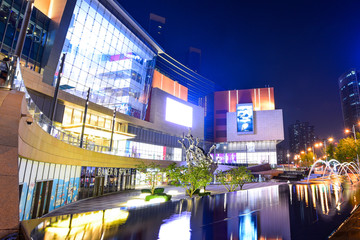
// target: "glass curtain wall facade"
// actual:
[[350, 97], [11, 16], [247, 153], [105, 56], [197, 85]]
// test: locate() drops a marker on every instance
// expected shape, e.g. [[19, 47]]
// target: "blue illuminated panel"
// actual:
[[245, 118]]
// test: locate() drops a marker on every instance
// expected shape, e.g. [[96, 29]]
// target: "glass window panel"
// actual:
[[67, 115], [77, 117]]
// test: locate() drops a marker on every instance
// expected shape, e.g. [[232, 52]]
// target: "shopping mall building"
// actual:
[[121, 101]]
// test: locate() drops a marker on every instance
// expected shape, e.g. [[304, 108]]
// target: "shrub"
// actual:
[[145, 191], [163, 196], [158, 190]]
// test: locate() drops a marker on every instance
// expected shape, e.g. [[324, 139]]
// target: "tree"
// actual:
[[307, 159], [189, 177], [234, 178], [199, 168], [346, 149], [153, 174], [330, 151]]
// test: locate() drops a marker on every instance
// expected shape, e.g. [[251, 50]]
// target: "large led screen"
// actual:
[[178, 113], [245, 118]]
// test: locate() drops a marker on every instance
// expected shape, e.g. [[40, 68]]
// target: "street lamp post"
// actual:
[[288, 157]]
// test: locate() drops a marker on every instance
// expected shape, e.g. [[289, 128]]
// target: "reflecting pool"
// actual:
[[309, 211]]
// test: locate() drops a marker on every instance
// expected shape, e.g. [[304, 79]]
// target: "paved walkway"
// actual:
[[350, 229], [121, 198]]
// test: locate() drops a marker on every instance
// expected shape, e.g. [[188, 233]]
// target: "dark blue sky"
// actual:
[[298, 47]]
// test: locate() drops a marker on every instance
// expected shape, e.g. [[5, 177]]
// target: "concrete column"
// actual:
[[10, 114]]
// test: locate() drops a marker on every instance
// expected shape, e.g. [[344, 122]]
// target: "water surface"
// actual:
[[286, 212]]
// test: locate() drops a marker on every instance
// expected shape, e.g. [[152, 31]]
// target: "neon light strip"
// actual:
[[229, 101], [269, 97], [255, 97]]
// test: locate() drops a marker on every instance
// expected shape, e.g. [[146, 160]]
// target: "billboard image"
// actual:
[[224, 157], [245, 118]]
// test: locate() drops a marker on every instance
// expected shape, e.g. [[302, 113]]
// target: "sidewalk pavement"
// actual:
[[119, 199]]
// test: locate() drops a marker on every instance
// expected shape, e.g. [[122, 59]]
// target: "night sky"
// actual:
[[298, 47]]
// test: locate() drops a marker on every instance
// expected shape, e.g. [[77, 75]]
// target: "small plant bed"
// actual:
[[158, 190], [158, 196]]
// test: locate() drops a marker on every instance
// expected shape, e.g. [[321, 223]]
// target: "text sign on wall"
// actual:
[[245, 118]]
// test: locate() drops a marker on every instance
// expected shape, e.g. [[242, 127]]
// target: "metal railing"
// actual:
[[56, 131], [45, 123]]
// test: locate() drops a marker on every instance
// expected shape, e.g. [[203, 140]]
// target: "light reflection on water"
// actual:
[[288, 211]]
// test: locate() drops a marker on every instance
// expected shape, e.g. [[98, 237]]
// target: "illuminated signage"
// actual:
[[178, 113], [245, 118], [224, 157]]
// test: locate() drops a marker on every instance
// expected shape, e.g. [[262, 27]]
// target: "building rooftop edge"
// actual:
[[182, 65], [136, 26]]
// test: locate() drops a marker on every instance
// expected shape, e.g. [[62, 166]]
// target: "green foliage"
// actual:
[[158, 190], [234, 178], [346, 149], [160, 195], [153, 174], [307, 159], [145, 191], [189, 177], [330, 151]]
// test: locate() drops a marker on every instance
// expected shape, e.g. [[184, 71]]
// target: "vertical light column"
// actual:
[[229, 100]]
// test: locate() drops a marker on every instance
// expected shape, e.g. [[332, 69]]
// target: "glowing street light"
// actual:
[[288, 157]]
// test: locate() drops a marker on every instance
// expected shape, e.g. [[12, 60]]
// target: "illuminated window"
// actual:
[[108, 123], [101, 122], [67, 115], [93, 120], [77, 117]]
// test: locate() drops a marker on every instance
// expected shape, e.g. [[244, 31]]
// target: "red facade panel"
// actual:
[[225, 101]]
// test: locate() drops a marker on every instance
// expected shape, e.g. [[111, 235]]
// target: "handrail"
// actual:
[[47, 125]]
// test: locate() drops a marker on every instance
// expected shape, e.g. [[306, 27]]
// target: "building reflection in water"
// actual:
[[90, 225], [177, 227], [303, 211]]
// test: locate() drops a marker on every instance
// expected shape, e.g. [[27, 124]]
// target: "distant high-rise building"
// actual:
[[350, 99], [301, 136], [194, 59], [157, 27], [281, 153]]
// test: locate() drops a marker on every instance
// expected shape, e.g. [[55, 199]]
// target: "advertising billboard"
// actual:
[[224, 157], [245, 118], [178, 113]]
